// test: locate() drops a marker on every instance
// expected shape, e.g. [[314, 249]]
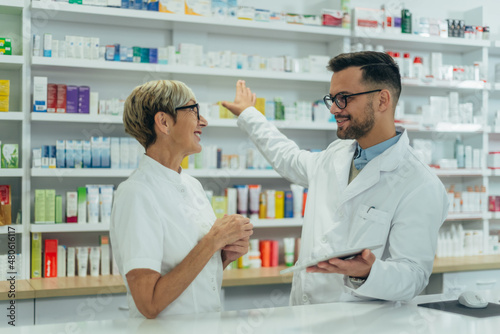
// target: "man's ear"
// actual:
[[163, 122], [385, 100]]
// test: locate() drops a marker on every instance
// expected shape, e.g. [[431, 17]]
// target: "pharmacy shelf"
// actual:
[[494, 50], [75, 118], [147, 19], [466, 85], [460, 172], [295, 125], [11, 116], [233, 173], [24, 290], [494, 215], [69, 227], [77, 286], [410, 42], [466, 263], [255, 276], [11, 172], [8, 228], [47, 63], [466, 216], [11, 62], [11, 6], [80, 172], [287, 222], [445, 127], [495, 172], [122, 173]]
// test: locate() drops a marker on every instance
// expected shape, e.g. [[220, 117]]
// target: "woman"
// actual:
[[166, 240]]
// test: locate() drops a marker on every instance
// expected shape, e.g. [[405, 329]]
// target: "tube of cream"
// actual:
[[83, 258], [254, 192], [289, 251], [106, 194], [271, 200], [93, 203], [242, 199], [95, 256], [297, 199]]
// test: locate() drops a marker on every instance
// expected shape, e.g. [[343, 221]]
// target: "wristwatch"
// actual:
[[358, 281]]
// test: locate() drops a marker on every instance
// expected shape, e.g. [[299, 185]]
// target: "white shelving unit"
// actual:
[[11, 172], [169, 29], [69, 227]]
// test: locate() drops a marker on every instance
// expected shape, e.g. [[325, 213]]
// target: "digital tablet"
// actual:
[[343, 255]]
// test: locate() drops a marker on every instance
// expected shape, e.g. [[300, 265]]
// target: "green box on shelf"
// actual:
[[6, 51], [5, 42], [10, 156]]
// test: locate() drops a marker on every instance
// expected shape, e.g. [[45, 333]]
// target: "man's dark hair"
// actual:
[[379, 69]]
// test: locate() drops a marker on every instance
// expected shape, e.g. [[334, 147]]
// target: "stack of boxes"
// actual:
[[4, 95], [5, 46]]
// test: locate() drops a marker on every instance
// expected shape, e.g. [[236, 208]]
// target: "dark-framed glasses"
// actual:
[[193, 108], [340, 99]]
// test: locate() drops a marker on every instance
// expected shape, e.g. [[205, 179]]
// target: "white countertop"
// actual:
[[367, 317]]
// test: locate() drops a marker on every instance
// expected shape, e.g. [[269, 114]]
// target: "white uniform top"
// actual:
[[396, 200], [158, 217]]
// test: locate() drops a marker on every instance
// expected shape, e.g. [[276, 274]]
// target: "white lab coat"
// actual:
[[396, 201]]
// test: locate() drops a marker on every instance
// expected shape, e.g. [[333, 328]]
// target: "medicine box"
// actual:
[[10, 155], [171, 6], [368, 20]]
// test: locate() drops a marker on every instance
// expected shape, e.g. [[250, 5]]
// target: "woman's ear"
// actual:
[[163, 122]]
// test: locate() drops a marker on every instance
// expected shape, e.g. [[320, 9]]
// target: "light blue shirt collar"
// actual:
[[362, 157]]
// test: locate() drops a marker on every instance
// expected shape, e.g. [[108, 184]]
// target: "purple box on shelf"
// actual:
[[83, 100], [153, 56], [72, 99]]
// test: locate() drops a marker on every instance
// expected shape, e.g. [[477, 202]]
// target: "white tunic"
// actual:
[[158, 217], [396, 201]]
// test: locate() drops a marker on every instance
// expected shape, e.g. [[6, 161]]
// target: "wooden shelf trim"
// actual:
[[103, 285]]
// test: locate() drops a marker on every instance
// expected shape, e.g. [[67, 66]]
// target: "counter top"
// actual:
[[344, 318]]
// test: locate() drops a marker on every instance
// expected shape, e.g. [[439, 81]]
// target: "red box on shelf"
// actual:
[[50, 262], [51, 98]]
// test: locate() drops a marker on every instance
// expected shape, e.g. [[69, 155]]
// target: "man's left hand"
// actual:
[[359, 266]]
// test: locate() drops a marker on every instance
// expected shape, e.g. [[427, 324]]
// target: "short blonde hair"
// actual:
[[146, 100]]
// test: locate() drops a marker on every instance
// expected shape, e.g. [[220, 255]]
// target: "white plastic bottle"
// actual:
[[418, 68], [407, 66]]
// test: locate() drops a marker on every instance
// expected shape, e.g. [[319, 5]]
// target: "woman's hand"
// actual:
[[234, 251], [244, 99], [229, 229]]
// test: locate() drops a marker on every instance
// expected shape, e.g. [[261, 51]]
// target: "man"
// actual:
[[365, 189]]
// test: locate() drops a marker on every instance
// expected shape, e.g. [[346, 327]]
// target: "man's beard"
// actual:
[[358, 129]]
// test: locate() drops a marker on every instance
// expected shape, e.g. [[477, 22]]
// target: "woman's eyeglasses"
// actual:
[[193, 108]]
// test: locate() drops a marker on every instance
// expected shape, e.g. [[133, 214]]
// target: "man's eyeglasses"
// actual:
[[193, 107], [341, 99]]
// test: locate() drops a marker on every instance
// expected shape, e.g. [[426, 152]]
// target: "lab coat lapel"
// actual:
[[342, 165], [368, 177]]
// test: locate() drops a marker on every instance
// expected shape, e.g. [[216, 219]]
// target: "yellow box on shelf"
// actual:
[[4, 103]]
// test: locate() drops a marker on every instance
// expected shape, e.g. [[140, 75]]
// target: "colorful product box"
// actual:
[[61, 99], [332, 18], [71, 207], [5, 205], [10, 156], [6, 51], [198, 7], [40, 94], [36, 255], [51, 98], [4, 87], [4, 103], [40, 206], [50, 263], [83, 100], [171, 6], [72, 99], [5, 42]]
